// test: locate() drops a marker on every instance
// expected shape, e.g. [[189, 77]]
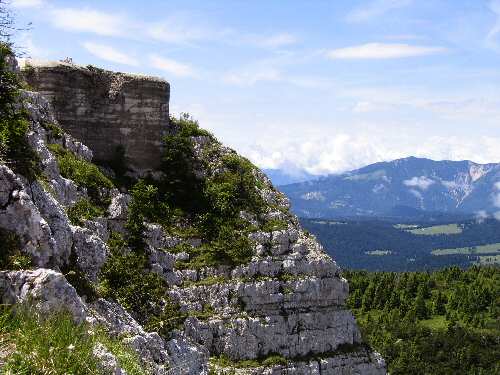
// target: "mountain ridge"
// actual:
[[426, 185]]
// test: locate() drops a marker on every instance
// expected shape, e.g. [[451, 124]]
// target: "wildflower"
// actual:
[[71, 347]]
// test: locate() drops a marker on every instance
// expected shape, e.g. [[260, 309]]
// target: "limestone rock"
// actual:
[[19, 214], [46, 289], [90, 251], [108, 362]]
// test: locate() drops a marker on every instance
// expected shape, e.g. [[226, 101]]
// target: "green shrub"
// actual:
[[54, 344], [146, 204], [207, 281], [267, 361], [54, 130], [275, 360], [234, 189], [231, 247], [185, 126], [14, 148], [209, 206], [273, 225], [126, 279], [83, 210], [82, 172], [11, 257], [180, 186]]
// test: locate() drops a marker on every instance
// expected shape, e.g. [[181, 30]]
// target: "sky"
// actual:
[[319, 85]]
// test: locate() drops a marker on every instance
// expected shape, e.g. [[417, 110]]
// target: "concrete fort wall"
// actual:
[[106, 110]]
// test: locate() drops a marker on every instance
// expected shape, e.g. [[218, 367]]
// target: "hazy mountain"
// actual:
[[285, 177], [404, 188]]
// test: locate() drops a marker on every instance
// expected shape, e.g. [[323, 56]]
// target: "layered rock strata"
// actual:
[[287, 302]]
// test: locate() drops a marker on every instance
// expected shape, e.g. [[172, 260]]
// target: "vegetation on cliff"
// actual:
[[198, 196], [14, 148], [444, 322], [54, 344]]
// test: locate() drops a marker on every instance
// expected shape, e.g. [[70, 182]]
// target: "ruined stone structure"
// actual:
[[106, 110]]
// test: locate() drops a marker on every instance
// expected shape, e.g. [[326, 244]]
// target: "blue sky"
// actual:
[[318, 85]]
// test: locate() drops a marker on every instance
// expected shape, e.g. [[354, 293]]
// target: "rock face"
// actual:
[[288, 301], [105, 110]]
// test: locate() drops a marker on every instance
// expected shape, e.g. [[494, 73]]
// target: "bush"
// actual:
[[14, 148], [234, 189], [185, 126], [180, 186], [54, 130], [146, 204], [83, 173], [126, 279], [83, 210]]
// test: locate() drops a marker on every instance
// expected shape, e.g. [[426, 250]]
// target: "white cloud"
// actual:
[[275, 41], [383, 51], [109, 53], [320, 150], [183, 29], [416, 193], [451, 185], [89, 20], [492, 36], [496, 195], [421, 182], [26, 3], [468, 108], [367, 106], [481, 216], [313, 196], [249, 76], [172, 66], [375, 9], [496, 215]]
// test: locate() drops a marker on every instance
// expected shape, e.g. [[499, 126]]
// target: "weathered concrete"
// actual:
[[105, 109]]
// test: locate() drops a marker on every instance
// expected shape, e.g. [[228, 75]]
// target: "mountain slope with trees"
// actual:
[[444, 322]]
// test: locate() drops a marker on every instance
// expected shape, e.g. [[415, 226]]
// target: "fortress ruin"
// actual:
[[107, 110]]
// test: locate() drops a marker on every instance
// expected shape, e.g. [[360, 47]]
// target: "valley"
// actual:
[[382, 245]]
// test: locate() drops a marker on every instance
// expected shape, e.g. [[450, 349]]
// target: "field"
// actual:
[[493, 248], [437, 229], [378, 252]]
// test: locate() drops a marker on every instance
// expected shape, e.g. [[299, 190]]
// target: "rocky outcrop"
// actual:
[[288, 300], [46, 289]]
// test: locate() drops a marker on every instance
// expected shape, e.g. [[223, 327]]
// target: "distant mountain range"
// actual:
[[284, 177], [407, 188]]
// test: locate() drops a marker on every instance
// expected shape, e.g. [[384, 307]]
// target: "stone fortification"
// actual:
[[106, 110]]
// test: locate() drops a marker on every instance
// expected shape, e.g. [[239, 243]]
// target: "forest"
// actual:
[[441, 322], [383, 245]]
